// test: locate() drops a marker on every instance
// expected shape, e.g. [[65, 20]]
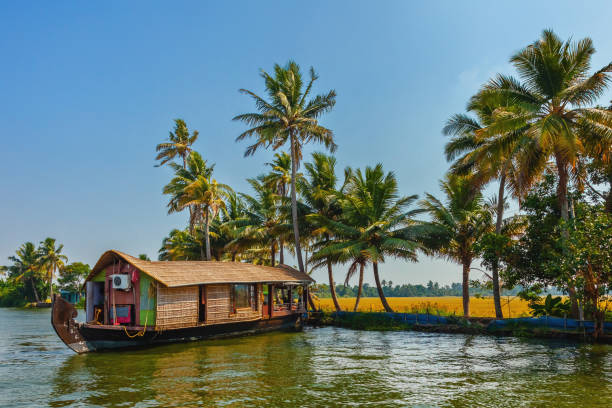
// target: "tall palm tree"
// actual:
[[288, 116], [26, 267], [279, 178], [195, 167], [51, 259], [179, 144], [464, 220], [375, 223], [552, 105], [490, 158], [208, 195], [318, 192]]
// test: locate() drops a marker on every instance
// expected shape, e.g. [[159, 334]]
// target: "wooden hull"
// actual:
[[83, 338]]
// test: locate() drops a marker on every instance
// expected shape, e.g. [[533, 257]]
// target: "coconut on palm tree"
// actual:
[[51, 259], [374, 225], [288, 116], [463, 220]]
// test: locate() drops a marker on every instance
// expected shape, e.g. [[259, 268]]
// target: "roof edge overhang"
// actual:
[[109, 256]]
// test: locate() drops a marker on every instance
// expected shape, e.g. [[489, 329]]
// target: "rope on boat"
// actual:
[[144, 329]]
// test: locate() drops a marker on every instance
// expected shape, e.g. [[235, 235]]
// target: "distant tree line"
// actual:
[[431, 289]]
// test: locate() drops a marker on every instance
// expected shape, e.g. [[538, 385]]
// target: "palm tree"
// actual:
[[374, 224], [490, 158], [196, 167], [318, 192], [178, 144], [288, 117], [262, 222], [51, 259], [551, 105], [464, 220], [26, 267], [181, 246], [235, 209], [208, 195], [279, 178]]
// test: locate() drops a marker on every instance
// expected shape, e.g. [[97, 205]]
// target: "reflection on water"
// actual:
[[318, 367]]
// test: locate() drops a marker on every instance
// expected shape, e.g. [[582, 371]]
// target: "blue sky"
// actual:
[[89, 89]]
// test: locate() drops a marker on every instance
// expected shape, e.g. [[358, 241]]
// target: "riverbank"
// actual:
[[545, 328]]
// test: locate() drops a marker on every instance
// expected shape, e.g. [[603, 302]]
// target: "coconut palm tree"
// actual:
[[26, 267], [279, 178], [181, 246], [179, 144], [464, 219], [552, 105], [490, 158], [229, 231], [375, 223], [288, 116], [318, 192], [262, 222], [183, 177], [51, 259], [208, 195]]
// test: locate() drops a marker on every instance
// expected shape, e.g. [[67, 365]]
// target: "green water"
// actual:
[[314, 368]]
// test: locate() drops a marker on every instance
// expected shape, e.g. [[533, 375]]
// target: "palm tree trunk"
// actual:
[[281, 252], [466, 286], [294, 217], [207, 235], [498, 229], [51, 270], [360, 287], [311, 302], [272, 253], [34, 290], [383, 299], [564, 208], [608, 204], [332, 285]]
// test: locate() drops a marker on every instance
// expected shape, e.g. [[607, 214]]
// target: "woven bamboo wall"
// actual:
[[177, 307], [219, 308]]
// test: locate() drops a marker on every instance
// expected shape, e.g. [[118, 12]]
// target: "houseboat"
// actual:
[[131, 302]]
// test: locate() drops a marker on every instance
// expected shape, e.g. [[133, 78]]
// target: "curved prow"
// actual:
[[62, 319]]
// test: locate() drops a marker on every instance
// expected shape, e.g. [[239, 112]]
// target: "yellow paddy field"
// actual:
[[479, 307]]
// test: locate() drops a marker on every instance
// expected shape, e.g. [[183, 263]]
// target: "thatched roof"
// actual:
[[186, 273]]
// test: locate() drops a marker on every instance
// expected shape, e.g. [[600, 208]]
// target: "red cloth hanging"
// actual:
[[135, 276]]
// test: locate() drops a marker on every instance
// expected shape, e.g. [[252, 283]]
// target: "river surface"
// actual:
[[314, 368]]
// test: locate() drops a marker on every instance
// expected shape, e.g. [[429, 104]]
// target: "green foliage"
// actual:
[[552, 306], [71, 277]]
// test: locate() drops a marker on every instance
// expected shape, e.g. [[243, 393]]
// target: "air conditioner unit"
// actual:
[[121, 282]]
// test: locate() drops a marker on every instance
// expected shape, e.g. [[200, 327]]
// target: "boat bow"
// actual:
[[62, 319]]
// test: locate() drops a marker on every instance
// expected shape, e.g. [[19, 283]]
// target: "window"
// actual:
[[244, 296]]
